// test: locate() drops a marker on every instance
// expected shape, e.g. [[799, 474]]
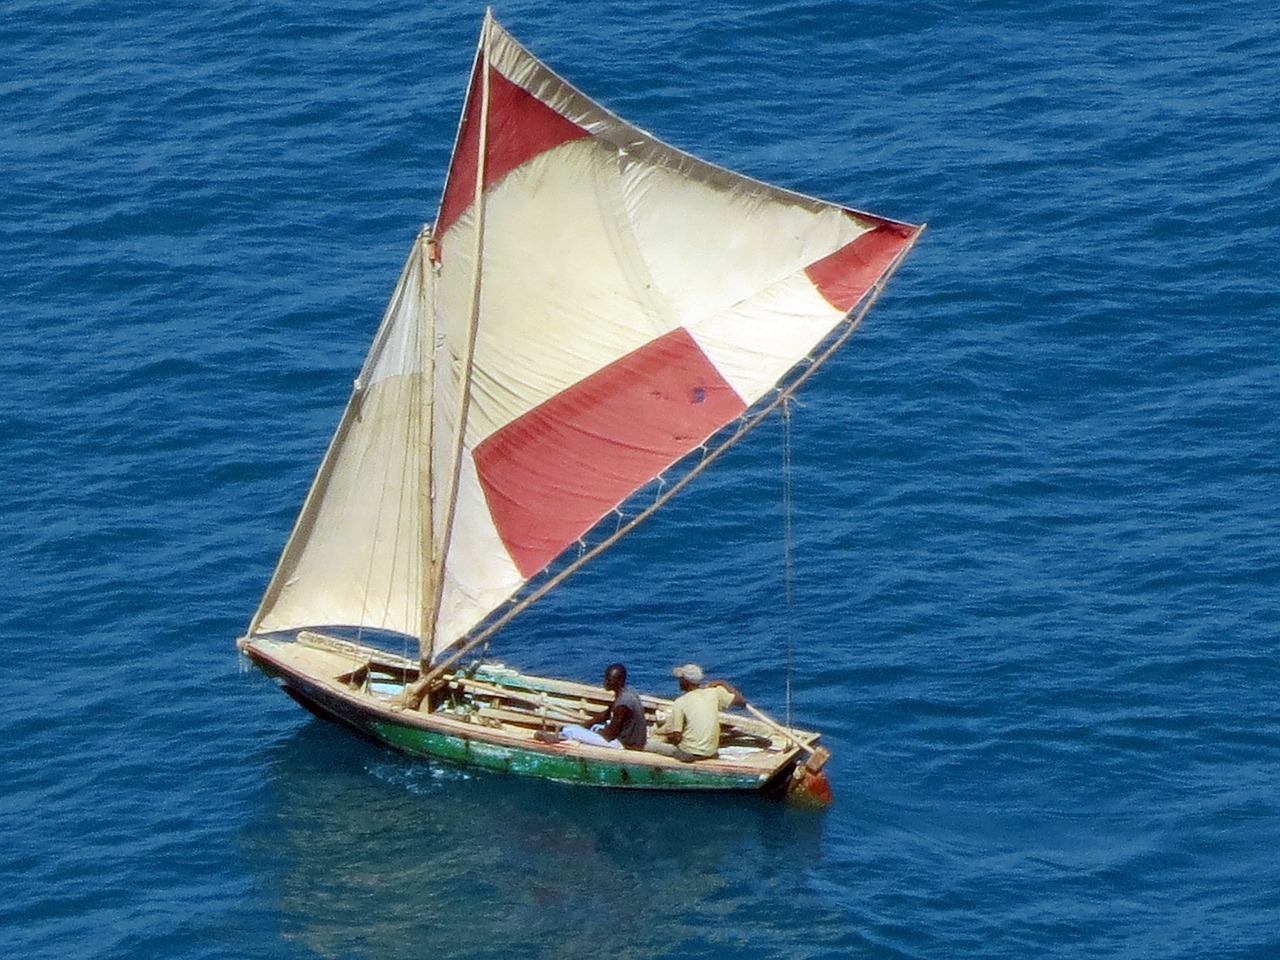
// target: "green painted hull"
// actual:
[[553, 766]]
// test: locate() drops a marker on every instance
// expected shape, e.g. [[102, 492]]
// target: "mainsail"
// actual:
[[591, 306]]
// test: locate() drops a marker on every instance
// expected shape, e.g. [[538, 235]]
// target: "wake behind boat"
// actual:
[[592, 312]]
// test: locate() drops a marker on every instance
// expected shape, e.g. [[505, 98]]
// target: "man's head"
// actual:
[[689, 675], [615, 677]]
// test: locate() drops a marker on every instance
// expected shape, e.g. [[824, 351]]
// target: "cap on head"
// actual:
[[690, 671]]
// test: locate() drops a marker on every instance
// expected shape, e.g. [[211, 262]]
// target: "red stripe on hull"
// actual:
[[553, 473], [846, 275], [520, 128]]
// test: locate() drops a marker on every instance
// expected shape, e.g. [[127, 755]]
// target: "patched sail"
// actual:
[[596, 305]]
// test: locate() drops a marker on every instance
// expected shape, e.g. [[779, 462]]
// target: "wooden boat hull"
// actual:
[[322, 682]]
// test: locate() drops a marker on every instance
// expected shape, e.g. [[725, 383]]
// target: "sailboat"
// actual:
[[593, 314]]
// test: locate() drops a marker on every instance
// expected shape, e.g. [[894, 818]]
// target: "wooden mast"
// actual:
[[426, 419], [431, 611]]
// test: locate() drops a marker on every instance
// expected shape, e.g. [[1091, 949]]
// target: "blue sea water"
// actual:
[[1034, 574]]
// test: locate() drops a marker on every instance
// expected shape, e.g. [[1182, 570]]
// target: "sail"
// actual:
[[355, 555], [602, 304]]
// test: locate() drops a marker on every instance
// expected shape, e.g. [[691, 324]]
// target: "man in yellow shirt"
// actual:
[[692, 729]]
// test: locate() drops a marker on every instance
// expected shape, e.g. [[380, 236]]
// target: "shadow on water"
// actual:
[[373, 854]]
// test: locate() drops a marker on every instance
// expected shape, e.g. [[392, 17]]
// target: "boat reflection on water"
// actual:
[[377, 855]]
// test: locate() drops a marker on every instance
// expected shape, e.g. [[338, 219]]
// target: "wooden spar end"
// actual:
[[415, 692], [817, 759], [427, 681]]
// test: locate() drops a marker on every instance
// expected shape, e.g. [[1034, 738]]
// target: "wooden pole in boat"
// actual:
[[818, 756]]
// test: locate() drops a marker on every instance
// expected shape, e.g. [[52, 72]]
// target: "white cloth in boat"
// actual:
[[586, 735]]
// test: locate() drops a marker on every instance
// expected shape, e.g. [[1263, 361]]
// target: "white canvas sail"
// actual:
[[596, 305], [355, 555]]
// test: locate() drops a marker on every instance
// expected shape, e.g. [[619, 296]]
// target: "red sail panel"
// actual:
[[550, 475], [520, 128], [844, 276]]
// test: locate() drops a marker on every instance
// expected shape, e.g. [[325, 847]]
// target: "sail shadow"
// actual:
[[369, 851]]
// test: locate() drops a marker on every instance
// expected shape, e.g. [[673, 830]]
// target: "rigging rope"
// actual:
[[786, 545]]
